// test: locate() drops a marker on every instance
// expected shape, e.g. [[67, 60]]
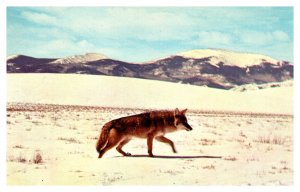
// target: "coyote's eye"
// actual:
[[183, 119]]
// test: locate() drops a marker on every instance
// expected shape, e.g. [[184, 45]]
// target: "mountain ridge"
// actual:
[[88, 57], [212, 68]]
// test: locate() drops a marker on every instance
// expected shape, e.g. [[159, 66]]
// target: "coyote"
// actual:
[[150, 125]]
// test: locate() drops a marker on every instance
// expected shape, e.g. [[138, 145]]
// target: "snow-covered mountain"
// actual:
[[88, 57], [228, 57], [252, 87], [207, 67]]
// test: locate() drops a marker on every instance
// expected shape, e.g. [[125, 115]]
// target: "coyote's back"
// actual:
[[149, 125]]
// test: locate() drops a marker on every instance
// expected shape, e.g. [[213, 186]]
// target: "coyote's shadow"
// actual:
[[178, 156]]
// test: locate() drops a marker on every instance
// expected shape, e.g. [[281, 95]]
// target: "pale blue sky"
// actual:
[[142, 34]]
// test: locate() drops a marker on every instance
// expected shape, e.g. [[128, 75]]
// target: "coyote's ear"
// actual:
[[184, 111], [177, 111]]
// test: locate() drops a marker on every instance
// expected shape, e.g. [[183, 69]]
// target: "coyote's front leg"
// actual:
[[167, 141], [150, 143]]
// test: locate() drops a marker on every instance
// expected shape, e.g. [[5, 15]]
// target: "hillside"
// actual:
[[108, 91]]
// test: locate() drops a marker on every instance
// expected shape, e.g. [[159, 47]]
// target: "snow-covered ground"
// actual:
[[55, 144], [91, 90]]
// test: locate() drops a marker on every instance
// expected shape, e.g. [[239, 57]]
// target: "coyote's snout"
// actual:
[[149, 125]]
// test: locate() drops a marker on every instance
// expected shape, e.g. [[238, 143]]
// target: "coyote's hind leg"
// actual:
[[119, 147], [113, 140]]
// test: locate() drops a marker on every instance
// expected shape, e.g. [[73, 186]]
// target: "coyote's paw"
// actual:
[[151, 155], [127, 154]]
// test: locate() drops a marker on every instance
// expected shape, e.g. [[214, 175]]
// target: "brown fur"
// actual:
[[150, 125]]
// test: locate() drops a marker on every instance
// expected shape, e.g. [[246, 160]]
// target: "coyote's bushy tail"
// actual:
[[102, 141]]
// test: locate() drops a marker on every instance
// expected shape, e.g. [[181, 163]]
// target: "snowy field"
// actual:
[[237, 139]]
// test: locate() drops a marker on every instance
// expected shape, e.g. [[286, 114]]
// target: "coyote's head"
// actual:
[[181, 121]]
